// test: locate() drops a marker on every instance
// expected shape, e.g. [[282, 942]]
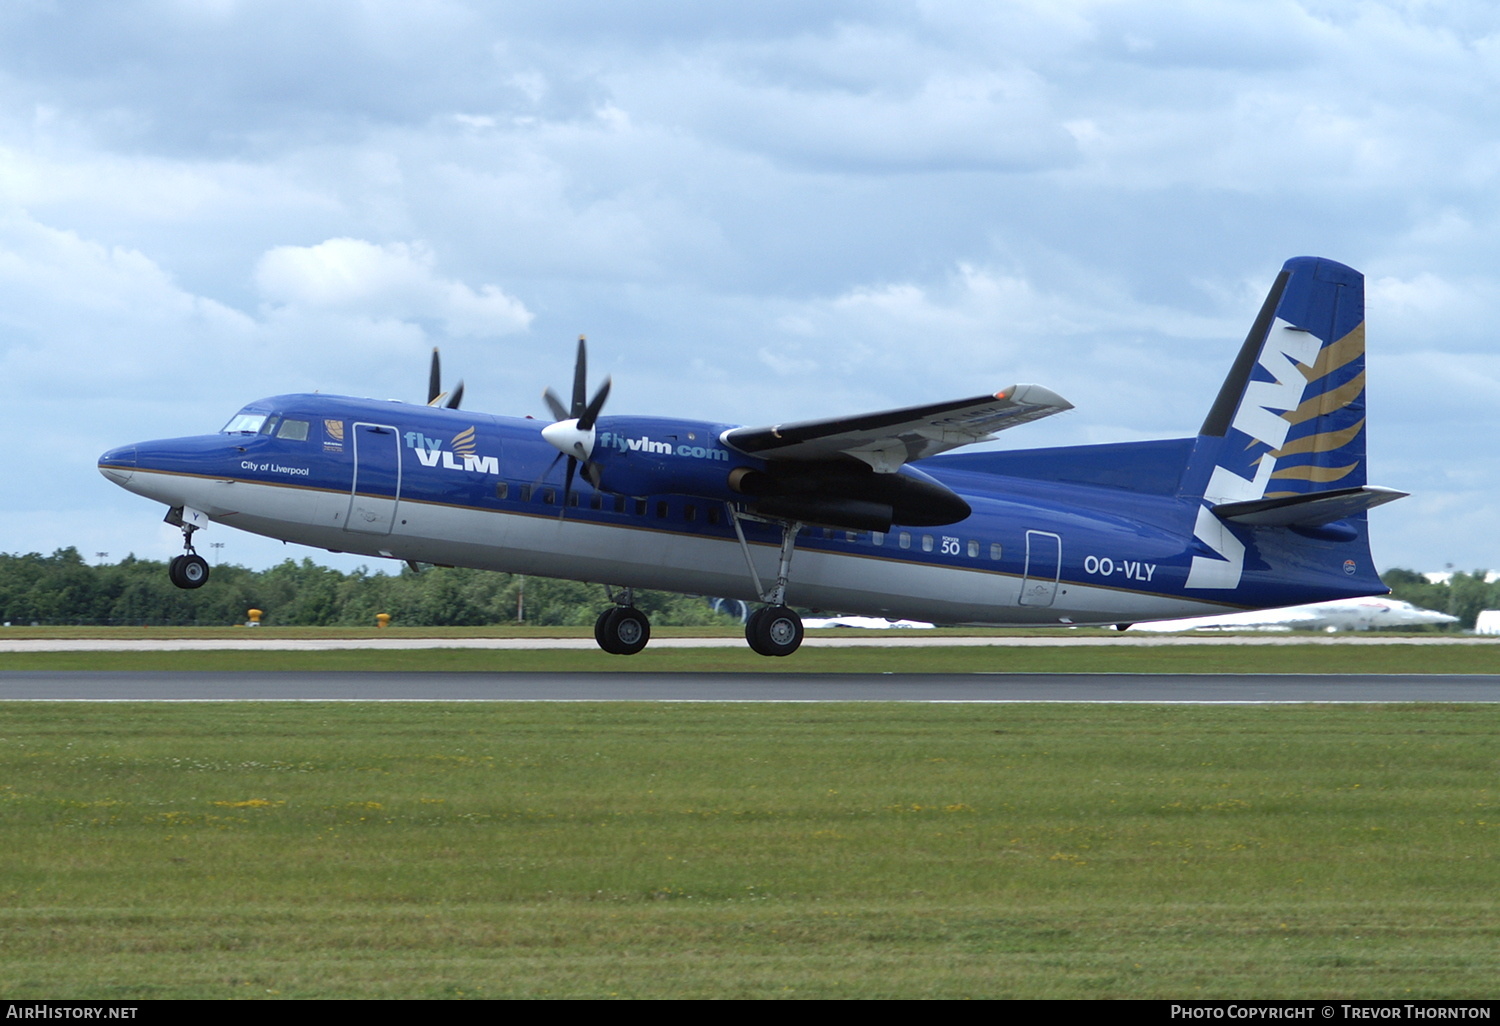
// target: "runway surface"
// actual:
[[356, 686], [875, 639]]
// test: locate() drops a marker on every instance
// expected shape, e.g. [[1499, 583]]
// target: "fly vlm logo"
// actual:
[[463, 454], [645, 443]]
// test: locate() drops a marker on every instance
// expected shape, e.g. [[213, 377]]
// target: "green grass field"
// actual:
[[1308, 658], [693, 850]]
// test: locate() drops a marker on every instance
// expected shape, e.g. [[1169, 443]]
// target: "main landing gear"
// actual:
[[774, 629], [622, 629], [188, 570]]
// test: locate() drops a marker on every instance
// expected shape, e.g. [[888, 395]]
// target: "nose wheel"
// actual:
[[188, 570]]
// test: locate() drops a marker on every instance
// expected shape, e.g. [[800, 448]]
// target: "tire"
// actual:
[[603, 627], [774, 631], [623, 630], [190, 571]]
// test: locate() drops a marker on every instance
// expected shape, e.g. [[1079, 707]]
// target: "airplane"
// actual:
[[868, 623], [1265, 506], [1355, 614]]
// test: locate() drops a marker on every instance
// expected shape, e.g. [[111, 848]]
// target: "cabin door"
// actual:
[[376, 490], [1043, 566]]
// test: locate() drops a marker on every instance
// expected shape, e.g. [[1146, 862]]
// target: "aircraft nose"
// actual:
[[118, 465]]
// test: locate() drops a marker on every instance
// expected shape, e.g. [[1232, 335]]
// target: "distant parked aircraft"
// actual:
[[1356, 614], [870, 622]]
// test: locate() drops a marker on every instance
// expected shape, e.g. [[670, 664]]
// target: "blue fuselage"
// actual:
[[1095, 535]]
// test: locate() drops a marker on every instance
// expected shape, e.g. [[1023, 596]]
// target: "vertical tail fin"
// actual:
[[1290, 418], [1284, 444]]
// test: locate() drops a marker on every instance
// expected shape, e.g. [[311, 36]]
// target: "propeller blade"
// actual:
[[457, 397], [580, 379], [591, 413], [572, 433], [548, 472], [434, 379], [568, 484]]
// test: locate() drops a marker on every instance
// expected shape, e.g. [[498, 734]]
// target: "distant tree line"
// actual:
[[62, 589]]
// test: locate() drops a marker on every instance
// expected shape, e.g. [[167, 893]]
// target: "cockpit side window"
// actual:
[[296, 430], [269, 427], [244, 423]]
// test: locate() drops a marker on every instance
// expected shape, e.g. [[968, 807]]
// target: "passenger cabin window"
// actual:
[[502, 490], [877, 537], [296, 430], [904, 539], [973, 550], [994, 550], [926, 543]]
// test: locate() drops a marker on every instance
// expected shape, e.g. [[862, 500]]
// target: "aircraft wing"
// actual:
[[887, 439]]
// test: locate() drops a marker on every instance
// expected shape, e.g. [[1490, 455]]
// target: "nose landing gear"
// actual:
[[188, 570]]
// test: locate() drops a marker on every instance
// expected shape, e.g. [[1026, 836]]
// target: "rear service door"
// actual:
[[1043, 565]]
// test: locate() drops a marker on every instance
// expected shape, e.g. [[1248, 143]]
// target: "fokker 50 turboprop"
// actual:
[[1265, 506]]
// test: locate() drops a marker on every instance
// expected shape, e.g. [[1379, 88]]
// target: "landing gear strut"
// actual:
[[622, 629], [188, 570], [774, 629]]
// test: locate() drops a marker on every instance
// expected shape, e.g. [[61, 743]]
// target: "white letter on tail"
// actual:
[[1216, 573]]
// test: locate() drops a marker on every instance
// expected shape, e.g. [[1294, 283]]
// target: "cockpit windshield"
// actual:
[[272, 425], [244, 423]]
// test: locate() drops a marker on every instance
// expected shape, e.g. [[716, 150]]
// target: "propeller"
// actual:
[[435, 393], [573, 432]]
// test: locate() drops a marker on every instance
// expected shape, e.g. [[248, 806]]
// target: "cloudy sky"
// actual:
[[757, 212]]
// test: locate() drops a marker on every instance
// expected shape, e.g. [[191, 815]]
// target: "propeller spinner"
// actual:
[[573, 433]]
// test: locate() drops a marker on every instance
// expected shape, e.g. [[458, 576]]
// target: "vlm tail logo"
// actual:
[[1299, 423], [463, 446], [1261, 417]]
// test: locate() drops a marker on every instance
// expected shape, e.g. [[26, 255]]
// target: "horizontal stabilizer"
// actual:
[[890, 438], [1312, 509]]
